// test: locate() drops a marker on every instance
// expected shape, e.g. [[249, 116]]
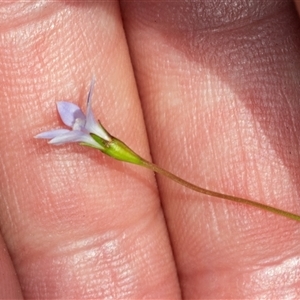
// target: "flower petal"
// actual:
[[69, 112], [74, 136], [51, 134], [91, 124]]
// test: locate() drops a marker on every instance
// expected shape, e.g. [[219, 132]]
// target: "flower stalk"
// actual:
[[119, 150], [201, 190], [85, 130]]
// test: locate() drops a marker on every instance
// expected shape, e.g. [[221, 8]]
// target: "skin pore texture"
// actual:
[[208, 90]]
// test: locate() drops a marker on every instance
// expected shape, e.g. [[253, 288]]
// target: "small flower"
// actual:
[[84, 128], [86, 131]]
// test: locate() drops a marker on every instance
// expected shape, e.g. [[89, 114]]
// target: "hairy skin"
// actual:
[[213, 88]]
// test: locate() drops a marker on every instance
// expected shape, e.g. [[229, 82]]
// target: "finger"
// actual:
[[9, 285], [77, 224], [220, 90]]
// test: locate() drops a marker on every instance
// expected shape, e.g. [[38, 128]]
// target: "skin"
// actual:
[[211, 90]]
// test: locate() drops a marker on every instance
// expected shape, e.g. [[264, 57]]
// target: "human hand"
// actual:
[[219, 88]]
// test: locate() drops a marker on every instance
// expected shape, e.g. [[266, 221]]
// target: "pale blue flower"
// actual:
[[83, 130]]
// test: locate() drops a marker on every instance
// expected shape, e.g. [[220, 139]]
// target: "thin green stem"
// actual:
[[198, 189]]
